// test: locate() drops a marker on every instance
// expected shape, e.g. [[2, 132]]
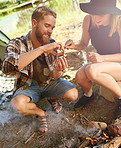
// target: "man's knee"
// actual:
[[71, 94], [19, 103]]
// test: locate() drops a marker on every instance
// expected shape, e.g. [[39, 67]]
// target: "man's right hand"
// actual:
[[55, 45]]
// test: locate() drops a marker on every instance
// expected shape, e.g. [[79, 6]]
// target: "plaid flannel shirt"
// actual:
[[24, 76]]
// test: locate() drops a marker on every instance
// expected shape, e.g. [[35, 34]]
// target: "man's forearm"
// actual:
[[27, 58]]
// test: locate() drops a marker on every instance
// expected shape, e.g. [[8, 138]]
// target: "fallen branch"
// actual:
[[30, 138]]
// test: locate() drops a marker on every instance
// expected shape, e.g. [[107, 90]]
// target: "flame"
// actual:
[[105, 135], [92, 140]]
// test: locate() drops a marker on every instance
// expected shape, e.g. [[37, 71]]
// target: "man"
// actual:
[[33, 59]]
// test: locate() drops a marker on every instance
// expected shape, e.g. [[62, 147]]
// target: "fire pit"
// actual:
[[96, 134]]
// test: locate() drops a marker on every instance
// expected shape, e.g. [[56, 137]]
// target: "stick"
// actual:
[[15, 144], [19, 132], [30, 138]]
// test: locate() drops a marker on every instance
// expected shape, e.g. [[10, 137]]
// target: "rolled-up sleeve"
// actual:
[[11, 60]]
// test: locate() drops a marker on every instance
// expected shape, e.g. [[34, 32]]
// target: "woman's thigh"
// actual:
[[111, 68]]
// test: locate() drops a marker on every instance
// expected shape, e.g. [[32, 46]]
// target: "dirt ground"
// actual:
[[17, 131]]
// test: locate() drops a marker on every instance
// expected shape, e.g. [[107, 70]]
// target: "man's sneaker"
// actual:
[[83, 101], [117, 112]]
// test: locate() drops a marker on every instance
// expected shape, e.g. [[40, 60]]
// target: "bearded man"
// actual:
[[33, 59]]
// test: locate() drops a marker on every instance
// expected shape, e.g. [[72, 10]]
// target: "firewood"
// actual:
[[115, 143], [85, 143]]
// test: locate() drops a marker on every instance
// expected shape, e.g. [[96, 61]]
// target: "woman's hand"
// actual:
[[95, 57], [69, 44]]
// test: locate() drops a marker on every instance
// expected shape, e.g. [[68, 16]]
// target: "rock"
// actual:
[[108, 95], [101, 125]]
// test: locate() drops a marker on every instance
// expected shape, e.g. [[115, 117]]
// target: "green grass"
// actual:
[[8, 10]]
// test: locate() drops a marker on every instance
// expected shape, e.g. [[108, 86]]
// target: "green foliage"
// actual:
[[61, 6], [5, 4]]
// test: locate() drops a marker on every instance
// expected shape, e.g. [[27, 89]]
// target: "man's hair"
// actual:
[[39, 13]]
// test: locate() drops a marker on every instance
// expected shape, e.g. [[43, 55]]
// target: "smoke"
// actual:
[[7, 113]]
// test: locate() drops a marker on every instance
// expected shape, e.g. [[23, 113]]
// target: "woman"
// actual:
[[103, 27]]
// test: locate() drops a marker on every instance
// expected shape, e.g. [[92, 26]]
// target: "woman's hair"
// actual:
[[39, 13], [115, 24]]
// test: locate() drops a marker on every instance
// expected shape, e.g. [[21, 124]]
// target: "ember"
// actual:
[[93, 141], [105, 136]]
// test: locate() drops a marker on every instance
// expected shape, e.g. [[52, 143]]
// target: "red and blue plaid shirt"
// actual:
[[24, 76]]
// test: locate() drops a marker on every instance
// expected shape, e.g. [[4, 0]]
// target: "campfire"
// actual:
[[98, 138], [98, 134], [103, 136]]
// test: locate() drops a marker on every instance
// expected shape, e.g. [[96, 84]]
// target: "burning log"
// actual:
[[115, 143], [91, 139], [85, 143]]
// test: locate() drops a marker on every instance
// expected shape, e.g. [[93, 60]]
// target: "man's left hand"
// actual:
[[61, 64]]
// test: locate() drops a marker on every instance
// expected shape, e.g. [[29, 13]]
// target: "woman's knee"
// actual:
[[80, 76], [19, 103], [92, 72]]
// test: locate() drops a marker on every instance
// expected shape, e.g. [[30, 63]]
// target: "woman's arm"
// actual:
[[95, 57], [84, 39]]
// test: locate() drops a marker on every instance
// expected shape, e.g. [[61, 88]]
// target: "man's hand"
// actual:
[[61, 64], [49, 48], [95, 57]]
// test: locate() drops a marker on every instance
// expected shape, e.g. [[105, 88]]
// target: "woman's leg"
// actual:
[[83, 80], [105, 74], [86, 84]]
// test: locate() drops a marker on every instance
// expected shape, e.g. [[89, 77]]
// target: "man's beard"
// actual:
[[40, 37]]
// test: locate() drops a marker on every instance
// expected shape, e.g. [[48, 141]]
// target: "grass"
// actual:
[[8, 9]]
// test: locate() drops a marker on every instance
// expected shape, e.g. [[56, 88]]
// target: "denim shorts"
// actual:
[[56, 89]]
